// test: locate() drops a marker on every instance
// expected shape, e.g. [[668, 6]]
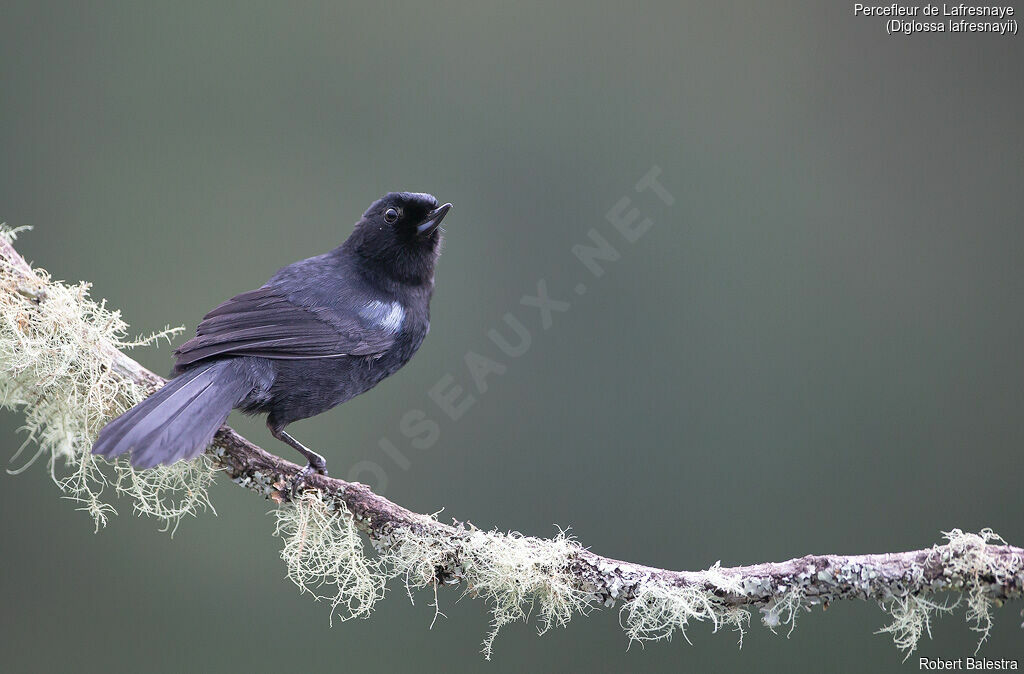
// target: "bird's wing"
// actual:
[[264, 322]]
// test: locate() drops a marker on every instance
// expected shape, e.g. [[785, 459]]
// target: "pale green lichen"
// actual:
[[783, 610], [55, 359], [658, 611], [53, 338], [168, 493], [325, 557], [517, 576], [911, 620], [968, 558], [520, 576]]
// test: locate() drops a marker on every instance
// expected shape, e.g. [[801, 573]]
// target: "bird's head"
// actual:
[[400, 235]]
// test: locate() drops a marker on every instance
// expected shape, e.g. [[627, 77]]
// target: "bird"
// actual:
[[318, 333]]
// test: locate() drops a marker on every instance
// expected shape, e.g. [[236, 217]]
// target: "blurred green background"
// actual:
[[817, 348]]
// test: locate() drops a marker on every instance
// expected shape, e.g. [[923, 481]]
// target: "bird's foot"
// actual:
[[299, 481]]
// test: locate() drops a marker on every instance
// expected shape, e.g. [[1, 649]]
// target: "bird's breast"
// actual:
[[386, 316]]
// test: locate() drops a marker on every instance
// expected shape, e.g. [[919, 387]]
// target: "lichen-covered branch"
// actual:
[[60, 363]]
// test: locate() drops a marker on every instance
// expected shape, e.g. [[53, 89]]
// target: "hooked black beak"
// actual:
[[434, 219]]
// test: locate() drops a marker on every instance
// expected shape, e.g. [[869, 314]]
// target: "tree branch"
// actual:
[[566, 577]]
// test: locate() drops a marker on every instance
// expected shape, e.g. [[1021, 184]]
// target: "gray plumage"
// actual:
[[319, 332], [178, 421]]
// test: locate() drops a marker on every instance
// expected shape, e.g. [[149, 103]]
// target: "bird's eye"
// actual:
[[391, 216]]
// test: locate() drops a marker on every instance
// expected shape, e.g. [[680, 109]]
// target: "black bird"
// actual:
[[318, 333]]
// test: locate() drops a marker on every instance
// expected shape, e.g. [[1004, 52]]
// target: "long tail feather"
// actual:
[[178, 421]]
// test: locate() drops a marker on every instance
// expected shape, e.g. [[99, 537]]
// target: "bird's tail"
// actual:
[[178, 421]]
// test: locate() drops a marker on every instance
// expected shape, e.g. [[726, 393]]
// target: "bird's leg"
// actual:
[[314, 462]]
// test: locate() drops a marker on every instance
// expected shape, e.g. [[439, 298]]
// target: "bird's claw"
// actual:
[[299, 481]]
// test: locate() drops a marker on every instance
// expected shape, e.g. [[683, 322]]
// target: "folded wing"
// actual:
[[263, 322]]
